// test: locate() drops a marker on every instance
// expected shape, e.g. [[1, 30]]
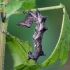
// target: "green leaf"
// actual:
[[27, 67], [19, 51], [28, 4], [62, 47], [13, 6]]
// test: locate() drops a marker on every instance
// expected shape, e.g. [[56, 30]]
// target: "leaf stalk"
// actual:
[[40, 9]]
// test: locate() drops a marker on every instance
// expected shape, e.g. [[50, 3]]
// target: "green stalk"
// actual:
[[3, 28], [42, 9]]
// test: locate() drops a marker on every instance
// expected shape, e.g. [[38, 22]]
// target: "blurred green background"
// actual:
[[50, 37]]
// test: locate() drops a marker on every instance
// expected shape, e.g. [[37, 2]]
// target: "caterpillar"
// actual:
[[39, 31]]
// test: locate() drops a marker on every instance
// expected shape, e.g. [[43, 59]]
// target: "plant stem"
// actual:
[[3, 27], [40, 9]]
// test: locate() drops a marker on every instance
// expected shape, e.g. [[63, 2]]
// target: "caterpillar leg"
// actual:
[[42, 53], [31, 56], [35, 55]]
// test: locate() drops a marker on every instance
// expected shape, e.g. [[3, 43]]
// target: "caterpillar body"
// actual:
[[39, 31]]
